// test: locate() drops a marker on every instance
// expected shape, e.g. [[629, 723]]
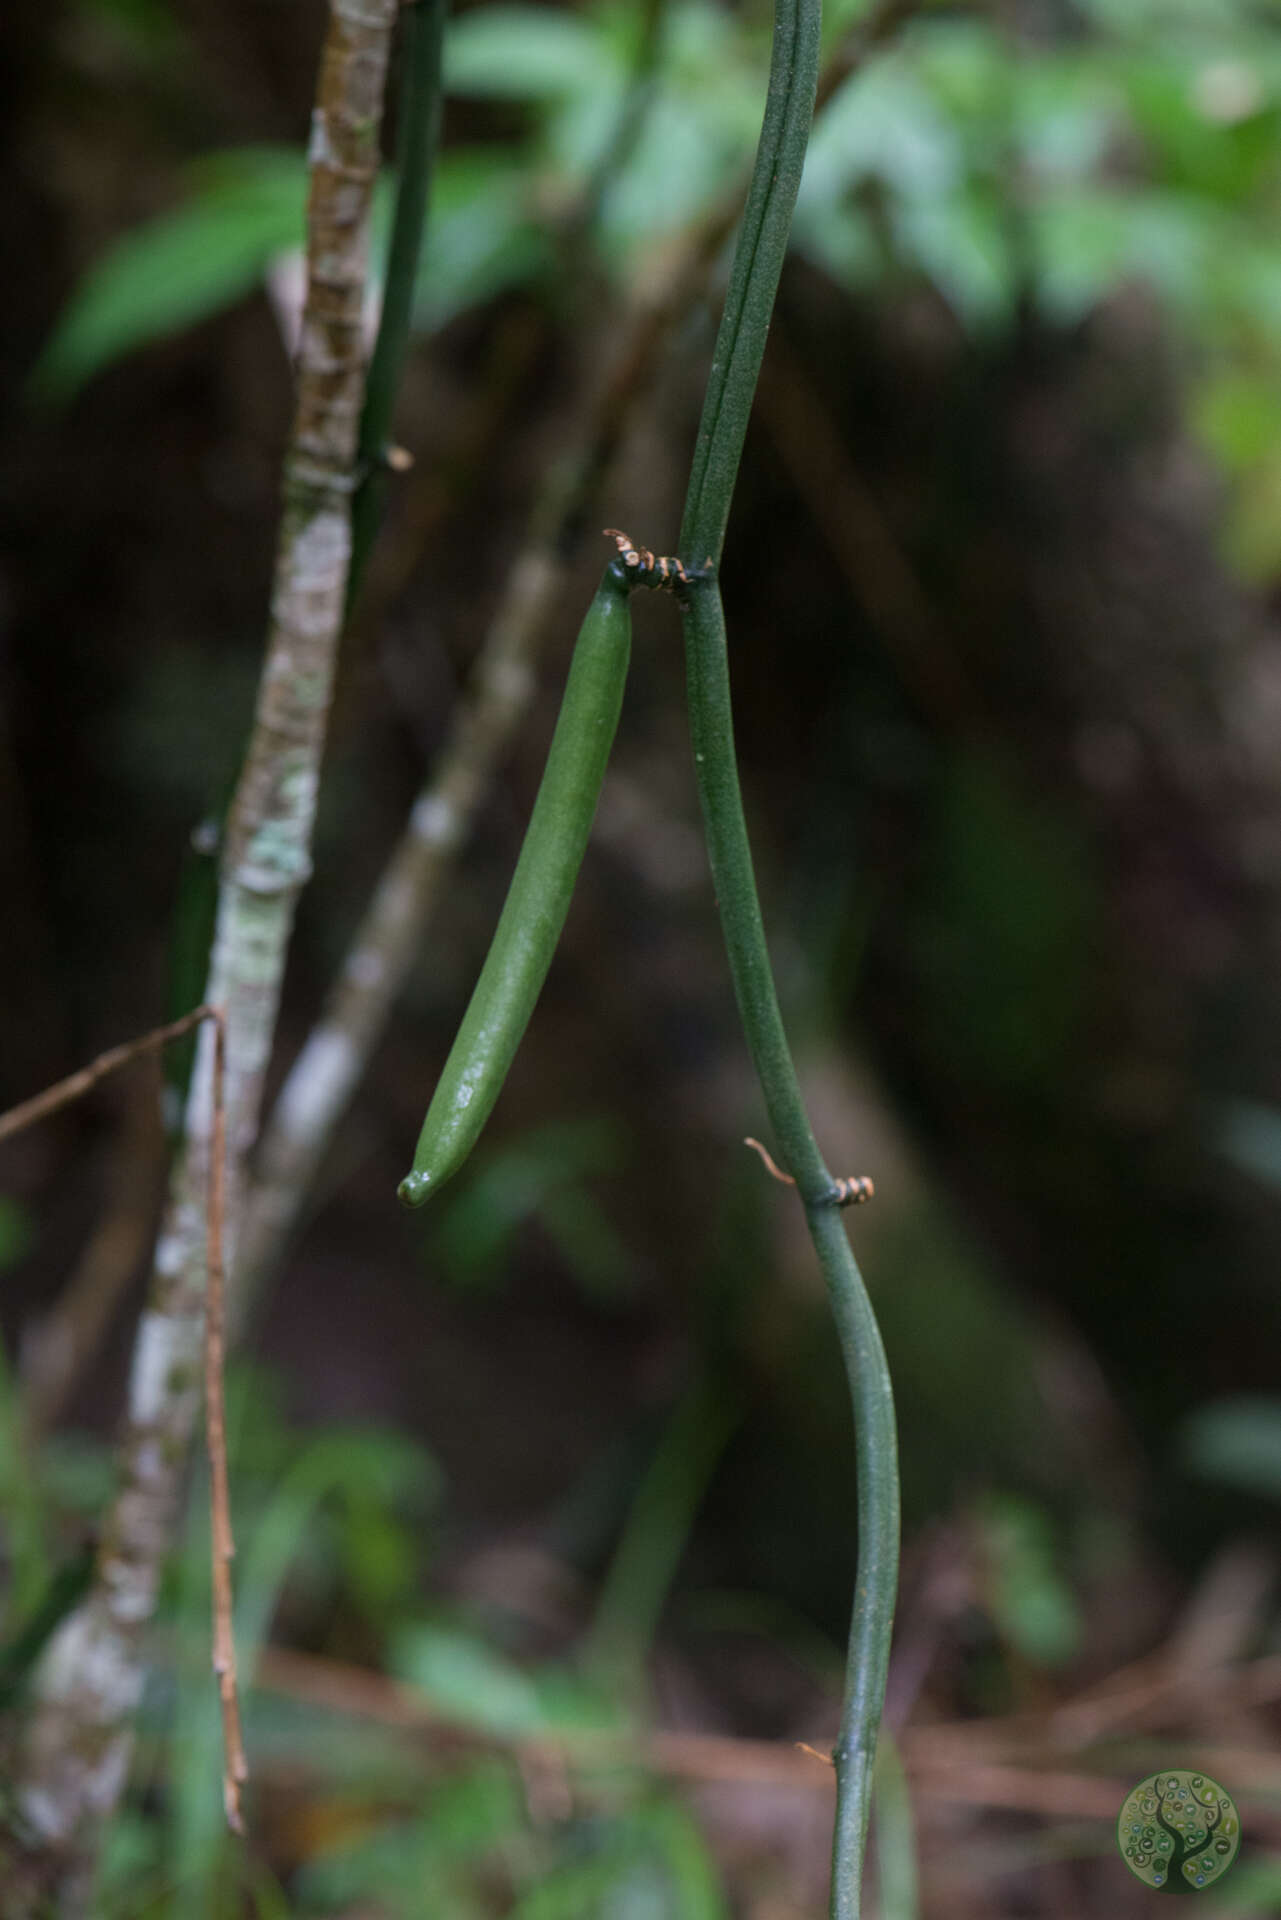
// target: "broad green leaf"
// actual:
[[524, 53], [542, 1175], [1030, 1600], [414, 1866], [469, 1681], [883, 124], [680, 1846], [1237, 413], [244, 207], [473, 1683], [1080, 244], [963, 245], [482, 235]]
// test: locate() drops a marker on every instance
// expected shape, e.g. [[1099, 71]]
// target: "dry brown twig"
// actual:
[[61, 1094], [852, 1190], [222, 1542], [76, 1085], [79, 1732]]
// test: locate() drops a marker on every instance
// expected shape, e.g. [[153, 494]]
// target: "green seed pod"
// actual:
[[538, 898]]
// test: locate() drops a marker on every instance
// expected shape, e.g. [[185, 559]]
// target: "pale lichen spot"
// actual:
[[326, 1068], [165, 1342], [171, 1255], [365, 968], [434, 820], [512, 681], [320, 152], [318, 557]]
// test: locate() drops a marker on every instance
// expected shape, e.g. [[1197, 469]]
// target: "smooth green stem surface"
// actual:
[[876, 1579], [740, 347], [417, 136], [754, 276]]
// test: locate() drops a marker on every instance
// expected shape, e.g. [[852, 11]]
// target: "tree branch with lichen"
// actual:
[[78, 1740]]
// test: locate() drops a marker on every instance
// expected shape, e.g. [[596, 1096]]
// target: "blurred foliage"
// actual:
[[1032, 1604], [1005, 934], [1007, 173], [1236, 1443], [1013, 184], [544, 1176]]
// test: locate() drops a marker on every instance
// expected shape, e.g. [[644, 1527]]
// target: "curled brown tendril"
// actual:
[[850, 1192], [654, 570]]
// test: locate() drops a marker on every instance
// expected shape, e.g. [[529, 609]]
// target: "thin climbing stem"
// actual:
[[417, 136], [731, 384], [753, 280]]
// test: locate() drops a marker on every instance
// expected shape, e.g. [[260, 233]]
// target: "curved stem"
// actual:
[[739, 349], [867, 1661]]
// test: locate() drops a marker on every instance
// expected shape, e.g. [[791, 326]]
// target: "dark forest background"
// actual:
[[1001, 583]]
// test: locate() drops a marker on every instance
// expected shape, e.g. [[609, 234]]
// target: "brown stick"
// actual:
[[235, 1766], [63, 1092]]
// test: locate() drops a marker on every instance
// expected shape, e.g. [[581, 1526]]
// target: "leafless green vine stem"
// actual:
[[79, 1736], [731, 384]]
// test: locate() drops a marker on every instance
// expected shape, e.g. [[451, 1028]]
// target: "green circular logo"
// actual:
[[1178, 1830]]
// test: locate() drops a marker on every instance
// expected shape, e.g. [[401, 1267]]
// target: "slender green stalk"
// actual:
[[740, 346], [417, 136], [658, 1526], [753, 280], [895, 1838]]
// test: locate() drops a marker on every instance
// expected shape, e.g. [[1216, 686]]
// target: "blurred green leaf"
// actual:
[[1237, 412], [542, 1176], [683, 1852], [1236, 1442], [483, 234], [469, 1681], [244, 207], [1005, 930], [963, 245], [1254, 1888], [16, 1232], [475, 1685], [1249, 1135], [1031, 1602], [24, 1514], [411, 1867], [524, 53], [648, 1862]]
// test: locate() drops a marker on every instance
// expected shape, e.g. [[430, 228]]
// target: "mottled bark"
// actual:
[[78, 1740]]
